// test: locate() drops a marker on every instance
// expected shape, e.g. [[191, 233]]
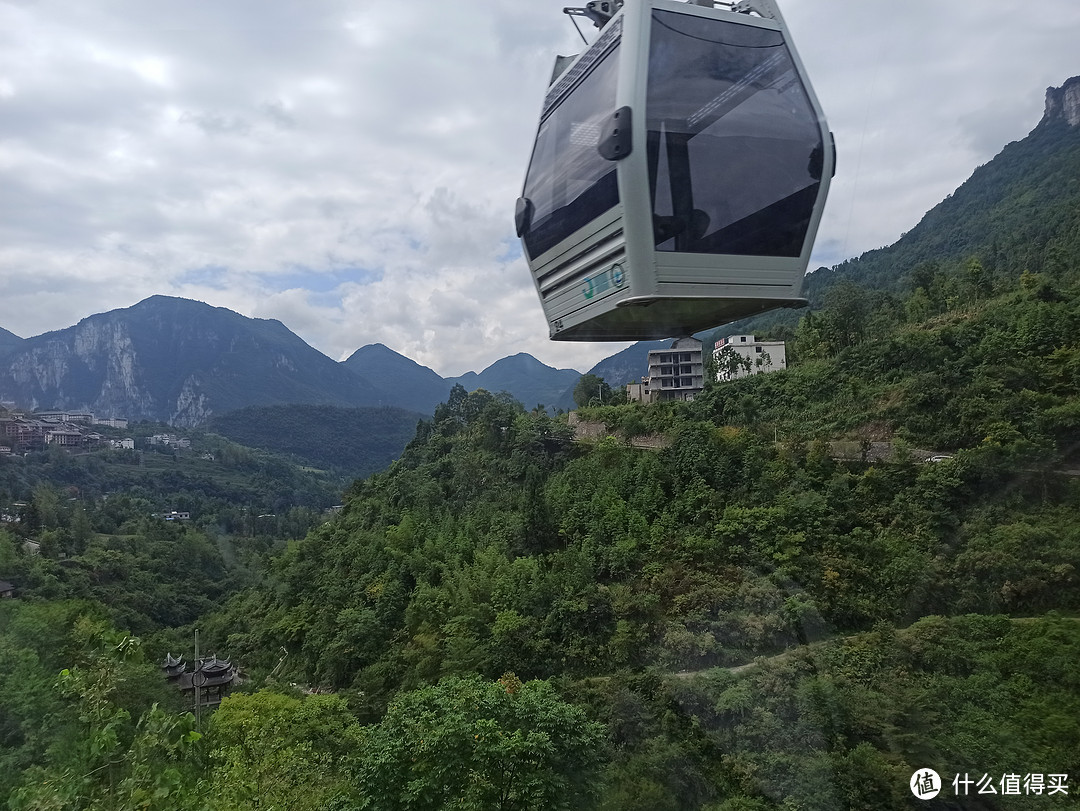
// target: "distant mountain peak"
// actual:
[[377, 350], [1063, 103], [370, 354], [525, 362], [402, 381], [159, 301], [177, 304], [520, 360], [8, 340]]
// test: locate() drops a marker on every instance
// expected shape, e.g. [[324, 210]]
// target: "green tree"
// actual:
[[918, 306], [481, 746], [275, 751], [925, 275], [978, 279], [81, 530], [729, 364], [103, 760], [811, 340], [591, 390], [846, 314]]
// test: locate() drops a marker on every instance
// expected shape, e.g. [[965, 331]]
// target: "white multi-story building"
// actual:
[[676, 373], [741, 355]]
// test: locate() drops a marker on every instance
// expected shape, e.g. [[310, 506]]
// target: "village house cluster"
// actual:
[[23, 431]]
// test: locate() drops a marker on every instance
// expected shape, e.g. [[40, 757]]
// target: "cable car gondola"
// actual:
[[678, 175]]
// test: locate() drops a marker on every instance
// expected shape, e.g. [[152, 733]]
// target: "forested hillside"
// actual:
[[90, 526], [494, 544], [353, 442], [1022, 207]]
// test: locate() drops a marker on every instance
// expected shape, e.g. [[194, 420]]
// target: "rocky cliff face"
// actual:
[[1063, 103], [55, 372]]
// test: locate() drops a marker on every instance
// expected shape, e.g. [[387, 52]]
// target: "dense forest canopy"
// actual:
[[354, 442]]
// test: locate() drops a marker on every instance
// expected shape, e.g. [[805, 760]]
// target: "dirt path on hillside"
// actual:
[[785, 654]]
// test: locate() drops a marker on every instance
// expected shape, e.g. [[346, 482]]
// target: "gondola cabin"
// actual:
[[678, 176]]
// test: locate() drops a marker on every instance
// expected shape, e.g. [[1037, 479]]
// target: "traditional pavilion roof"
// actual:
[[214, 666], [173, 666], [219, 679], [208, 672]]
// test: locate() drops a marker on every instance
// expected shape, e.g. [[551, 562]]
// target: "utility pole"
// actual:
[[196, 682]]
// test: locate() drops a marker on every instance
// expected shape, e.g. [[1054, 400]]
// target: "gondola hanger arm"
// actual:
[[600, 12], [763, 8]]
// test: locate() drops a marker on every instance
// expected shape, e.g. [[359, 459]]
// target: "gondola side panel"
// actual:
[[573, 238]]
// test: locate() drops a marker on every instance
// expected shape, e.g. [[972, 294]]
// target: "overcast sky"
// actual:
[[350, 168]]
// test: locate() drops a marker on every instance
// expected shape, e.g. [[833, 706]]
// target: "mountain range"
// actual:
[[177, 361], [184, 362], [407, 384]]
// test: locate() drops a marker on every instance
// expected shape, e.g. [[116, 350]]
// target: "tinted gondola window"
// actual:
[[734, 146], [569, 183]]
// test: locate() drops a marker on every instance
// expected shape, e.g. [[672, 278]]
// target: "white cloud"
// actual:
[[350, 169]]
